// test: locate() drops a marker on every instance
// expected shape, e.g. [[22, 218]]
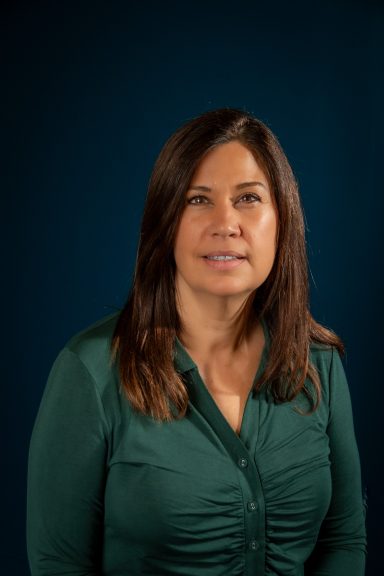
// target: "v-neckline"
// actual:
[[203, 399]]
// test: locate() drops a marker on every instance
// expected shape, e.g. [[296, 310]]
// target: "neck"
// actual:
[[212, 324]]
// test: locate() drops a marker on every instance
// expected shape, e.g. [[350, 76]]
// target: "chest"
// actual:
[[181, 488]]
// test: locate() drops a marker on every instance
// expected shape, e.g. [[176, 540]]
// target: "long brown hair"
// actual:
[[144, 337]]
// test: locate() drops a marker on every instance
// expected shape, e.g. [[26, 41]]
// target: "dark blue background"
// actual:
[[89, 93]]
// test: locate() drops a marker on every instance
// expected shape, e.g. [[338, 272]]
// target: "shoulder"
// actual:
[[82, 394], [321, 355], [97, 333], [93, 344], [90, 351], [325, 358], [327, 361]]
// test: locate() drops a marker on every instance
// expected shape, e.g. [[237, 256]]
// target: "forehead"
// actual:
[[231, 161]]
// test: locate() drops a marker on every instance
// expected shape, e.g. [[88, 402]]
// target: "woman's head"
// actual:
[[172, 174], [145, 333]]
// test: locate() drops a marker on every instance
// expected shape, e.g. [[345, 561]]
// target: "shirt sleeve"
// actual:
[[66, 474], [341, 545]]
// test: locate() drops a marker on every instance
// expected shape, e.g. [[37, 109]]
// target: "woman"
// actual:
[[206, 430]]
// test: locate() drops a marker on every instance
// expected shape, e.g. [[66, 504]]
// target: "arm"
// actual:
[[341, 545], [66, 475]]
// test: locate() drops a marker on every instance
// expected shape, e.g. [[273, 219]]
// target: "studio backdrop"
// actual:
[[91, 90]]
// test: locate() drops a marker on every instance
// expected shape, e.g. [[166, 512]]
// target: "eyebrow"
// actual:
[[238, 186]]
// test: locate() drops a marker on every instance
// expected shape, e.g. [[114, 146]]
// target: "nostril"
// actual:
[[226, 231]]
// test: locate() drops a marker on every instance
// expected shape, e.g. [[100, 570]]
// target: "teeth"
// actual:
[[222, 257]]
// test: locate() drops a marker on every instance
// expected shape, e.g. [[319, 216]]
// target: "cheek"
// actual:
[[187, 235], [274, 234], [265, 233], [184, 239]]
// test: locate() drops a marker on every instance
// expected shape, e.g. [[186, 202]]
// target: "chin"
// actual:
[[230, 292]]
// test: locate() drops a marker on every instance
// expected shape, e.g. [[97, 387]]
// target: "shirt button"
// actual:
[[243, 462], [253, 545], [252, 506]]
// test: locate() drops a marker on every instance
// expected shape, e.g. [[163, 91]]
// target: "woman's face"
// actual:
[[226, 240]]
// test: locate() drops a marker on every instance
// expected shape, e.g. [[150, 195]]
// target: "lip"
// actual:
[[224, 253], [224, 265]]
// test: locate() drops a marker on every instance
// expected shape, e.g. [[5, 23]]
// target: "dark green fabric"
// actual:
[[112, 492]]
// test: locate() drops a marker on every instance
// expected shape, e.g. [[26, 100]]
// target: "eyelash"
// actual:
[[199, 199], [196, 200], [252, 195]]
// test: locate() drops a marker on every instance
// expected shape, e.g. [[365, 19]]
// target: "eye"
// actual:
[[249, 198], [199, 199]]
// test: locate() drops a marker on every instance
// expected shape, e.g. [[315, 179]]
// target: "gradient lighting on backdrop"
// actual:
[[92, 89]]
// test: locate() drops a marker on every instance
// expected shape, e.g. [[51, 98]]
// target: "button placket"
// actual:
[[242, 453], [254, 513]]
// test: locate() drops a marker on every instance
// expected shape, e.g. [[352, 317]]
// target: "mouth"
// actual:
[[224, 261], [224, 256]]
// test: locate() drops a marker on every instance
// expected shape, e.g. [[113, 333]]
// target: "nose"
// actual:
[[225, 222]]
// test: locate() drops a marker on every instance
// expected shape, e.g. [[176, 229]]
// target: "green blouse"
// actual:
[[112, 492]]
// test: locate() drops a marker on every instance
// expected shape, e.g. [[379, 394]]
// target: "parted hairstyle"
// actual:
[[144, 339]]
